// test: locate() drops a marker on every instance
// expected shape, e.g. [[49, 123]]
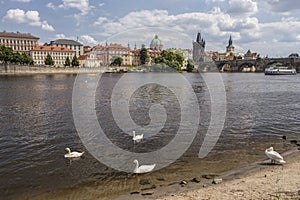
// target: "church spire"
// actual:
[[230, 41], [198, 37], [200, 40]]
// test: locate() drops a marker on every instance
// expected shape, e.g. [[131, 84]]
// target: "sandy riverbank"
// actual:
[[261, 181]]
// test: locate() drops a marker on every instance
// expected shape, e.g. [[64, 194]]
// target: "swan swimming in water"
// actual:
[[137, 138], [143, 168], [274, 156], [73, 154]]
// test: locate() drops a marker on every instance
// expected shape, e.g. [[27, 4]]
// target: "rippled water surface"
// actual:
[[37, 125]]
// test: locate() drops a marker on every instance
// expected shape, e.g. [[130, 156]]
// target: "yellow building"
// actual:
[[19, 42]]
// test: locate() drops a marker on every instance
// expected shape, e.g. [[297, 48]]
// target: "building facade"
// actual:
[[19, 42], [73, 45], [230, 54], [90, 59], [107, 53], [58, 54]]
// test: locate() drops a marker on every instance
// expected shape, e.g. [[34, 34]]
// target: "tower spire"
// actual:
[[230, 41], [198, 37]]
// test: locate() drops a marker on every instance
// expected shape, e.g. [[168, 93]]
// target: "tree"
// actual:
[[7, 54], [143, 56], [67, 62], [190, 66], [75, 62], [26, 59], [117, 61], [171, 58], [17, 58], [49, 60]]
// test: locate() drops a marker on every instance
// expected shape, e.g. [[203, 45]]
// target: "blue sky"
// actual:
[[268, 27]]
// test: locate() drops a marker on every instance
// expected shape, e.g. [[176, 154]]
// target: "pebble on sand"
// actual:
[[217, 180]]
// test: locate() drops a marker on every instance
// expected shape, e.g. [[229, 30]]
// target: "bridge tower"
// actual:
[[198, 49]]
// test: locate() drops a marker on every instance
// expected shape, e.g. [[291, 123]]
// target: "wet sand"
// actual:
[[256, 181]]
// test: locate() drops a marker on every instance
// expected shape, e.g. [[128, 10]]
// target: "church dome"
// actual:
[[156, 43]]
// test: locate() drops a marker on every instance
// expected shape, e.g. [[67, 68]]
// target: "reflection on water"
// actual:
[[36, 125]]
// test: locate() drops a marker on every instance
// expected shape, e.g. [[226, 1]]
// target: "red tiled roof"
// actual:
[[82, 57], [52, 48]]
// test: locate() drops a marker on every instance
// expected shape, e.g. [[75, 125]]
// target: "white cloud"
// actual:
[[216, 26], [50, 5], [60, 36], [30, 17], [100, 21], [285, 6], [86, 39], [242, 7], [101, 4], [81, 5], [47, 27]]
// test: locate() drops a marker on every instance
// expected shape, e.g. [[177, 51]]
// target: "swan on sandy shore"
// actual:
[[274, 156], [143, 168], [137, 138], [73, 154]]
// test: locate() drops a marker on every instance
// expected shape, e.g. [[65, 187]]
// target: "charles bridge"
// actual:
[[247, 65]]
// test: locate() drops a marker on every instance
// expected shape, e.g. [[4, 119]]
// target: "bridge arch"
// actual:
[[246, 67], [275, 63], [225, 67]]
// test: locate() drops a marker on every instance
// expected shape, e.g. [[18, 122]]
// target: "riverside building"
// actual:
[[58, 54], [19, 42]]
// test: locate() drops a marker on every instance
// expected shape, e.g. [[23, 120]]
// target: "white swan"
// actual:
[[274, 156], [137, 138], [73, 154], [143, 168]]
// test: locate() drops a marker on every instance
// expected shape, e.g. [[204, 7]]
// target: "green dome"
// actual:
[[156, 43]]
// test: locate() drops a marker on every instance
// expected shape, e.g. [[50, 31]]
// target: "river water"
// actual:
[[37, 124]]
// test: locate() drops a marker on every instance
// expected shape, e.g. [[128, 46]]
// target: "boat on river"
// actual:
[[280, 70], [111, 70]]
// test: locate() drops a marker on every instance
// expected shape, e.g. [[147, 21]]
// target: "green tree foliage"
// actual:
[[171, 58], [67, 62], [117, 61], [143, 56], [7, 55], [75, 62], [49, 60], [190, 66], [17, 58], [26, 59]]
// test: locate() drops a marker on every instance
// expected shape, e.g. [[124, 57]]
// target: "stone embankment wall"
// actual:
[[7, 69]]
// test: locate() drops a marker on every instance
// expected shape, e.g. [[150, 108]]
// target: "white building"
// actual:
[[70, 44], [58, 54]]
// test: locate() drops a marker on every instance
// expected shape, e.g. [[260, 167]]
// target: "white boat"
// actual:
[[111, 70], [280, 70], [137, 70]]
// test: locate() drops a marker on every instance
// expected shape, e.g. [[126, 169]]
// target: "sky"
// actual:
[[269, 27]]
